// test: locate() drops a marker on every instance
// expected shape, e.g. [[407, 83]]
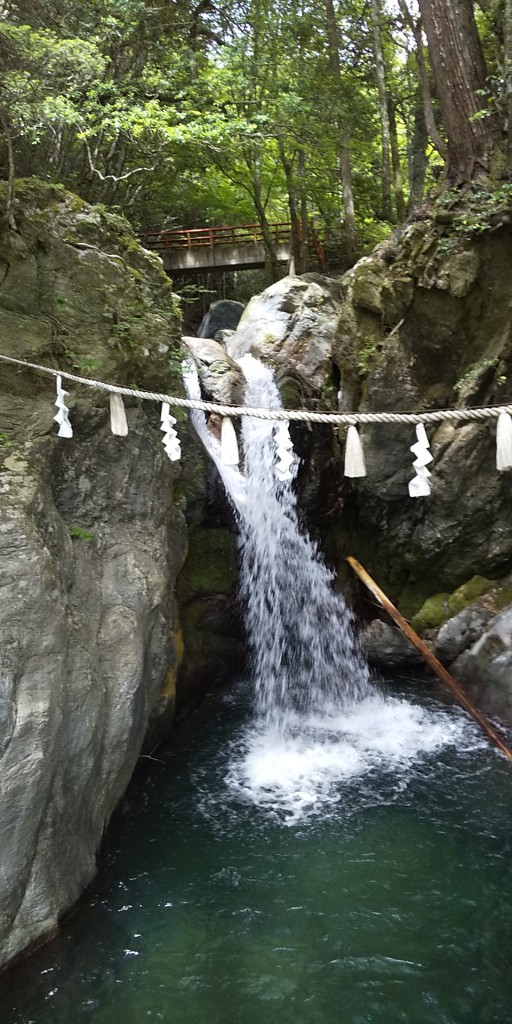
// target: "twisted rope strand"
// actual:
[[295, 415]]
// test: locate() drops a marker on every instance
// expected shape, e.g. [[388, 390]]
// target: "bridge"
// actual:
[[239, 247]]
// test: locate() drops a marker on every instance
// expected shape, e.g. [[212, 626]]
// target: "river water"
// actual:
[[235, 897]]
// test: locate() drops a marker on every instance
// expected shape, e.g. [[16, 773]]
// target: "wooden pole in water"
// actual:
[[430, 658]]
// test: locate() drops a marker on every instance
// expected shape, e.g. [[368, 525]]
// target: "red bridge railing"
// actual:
[[200, 238]]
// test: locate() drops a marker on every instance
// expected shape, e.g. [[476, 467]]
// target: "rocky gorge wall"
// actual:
[[92, 539], [118, 569]]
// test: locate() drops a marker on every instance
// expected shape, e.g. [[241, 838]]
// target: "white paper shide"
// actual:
[[228, 443], [170, 440], [62, 415], [419, 486], [355, 465], [284, 451]]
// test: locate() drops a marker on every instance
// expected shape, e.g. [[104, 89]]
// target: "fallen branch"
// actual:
[[430, 658]]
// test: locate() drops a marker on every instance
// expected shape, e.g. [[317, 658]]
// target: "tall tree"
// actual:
[[424, 80], [508, 78], [344, 163], [380, 71], [470, 119]]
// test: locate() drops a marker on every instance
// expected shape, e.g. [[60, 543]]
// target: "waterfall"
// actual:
[[301, 635], [319, 722]]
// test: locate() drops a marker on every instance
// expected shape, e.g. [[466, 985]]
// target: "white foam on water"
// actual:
[[306, 770]]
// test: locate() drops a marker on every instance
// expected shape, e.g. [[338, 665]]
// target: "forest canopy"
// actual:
[[340, 113]]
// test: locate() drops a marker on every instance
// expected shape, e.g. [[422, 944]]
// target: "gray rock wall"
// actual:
[[92, 537], [87, 627]]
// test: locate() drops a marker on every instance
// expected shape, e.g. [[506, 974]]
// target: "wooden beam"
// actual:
[[431, 660]]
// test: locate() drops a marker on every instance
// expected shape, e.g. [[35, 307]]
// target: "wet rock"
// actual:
[[91, 542], [486, 668], [387, 648], [462, 631], [221, 316], [212, 630], [221, 378], [292, 325], [428, 330]]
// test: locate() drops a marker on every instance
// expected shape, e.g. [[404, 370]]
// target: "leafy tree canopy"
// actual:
[[193, 112]]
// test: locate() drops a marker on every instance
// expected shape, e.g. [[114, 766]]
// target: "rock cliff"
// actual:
[[424, 323], [92, 537]]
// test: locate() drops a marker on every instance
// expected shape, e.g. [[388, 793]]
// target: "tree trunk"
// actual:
[[460, 74], [296, 248], [380, 69], [348, 200], [4, 122], [304, 219], [259, 205], [417, 156], [508, 79], [344, 164], [426, 92], [396, 164]]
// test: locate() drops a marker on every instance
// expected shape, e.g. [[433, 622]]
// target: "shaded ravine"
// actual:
[[321, 851]]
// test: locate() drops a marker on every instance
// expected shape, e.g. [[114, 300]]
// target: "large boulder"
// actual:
[[221, 378], [387, 648], [291, 325], [485, 668], [223, 315], [425, 325]]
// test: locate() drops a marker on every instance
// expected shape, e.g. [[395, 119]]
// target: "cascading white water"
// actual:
[[300, 633], [319, 721]]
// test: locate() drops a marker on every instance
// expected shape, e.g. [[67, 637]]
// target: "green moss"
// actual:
[[211, 566], [80, 533], [366, 354], [440, 607], [503, 596], [205, 588]]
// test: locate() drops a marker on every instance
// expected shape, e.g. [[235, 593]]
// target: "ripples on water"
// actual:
[[360, 879]]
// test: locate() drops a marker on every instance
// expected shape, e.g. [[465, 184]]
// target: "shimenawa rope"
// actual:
[[292, 415]]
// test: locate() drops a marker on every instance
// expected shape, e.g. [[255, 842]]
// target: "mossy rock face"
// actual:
[[80, 293], [440, 607], [368, 280], [213, 639], [211, 566], [425, 325]]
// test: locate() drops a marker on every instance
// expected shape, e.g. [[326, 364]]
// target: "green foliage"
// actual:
[[194, 114], [80, 533], [222, 112], [473, 211], [84, 364]]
